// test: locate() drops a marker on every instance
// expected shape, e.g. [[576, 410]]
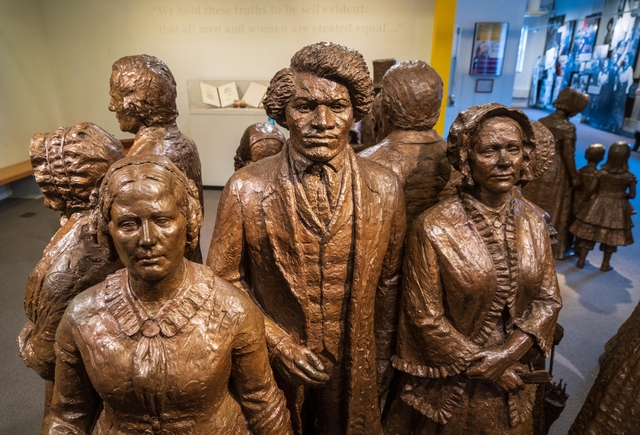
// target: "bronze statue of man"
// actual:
[[411, 96], [143, 97], [315, 235]]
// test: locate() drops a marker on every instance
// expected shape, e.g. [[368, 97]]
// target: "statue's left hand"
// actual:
[[490, 364], [510, 380]]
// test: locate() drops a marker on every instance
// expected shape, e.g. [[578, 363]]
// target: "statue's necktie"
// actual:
[[316, 187]]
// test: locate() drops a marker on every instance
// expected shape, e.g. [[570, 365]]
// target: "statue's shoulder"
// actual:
[[95, 300], [531, 211], [375, 172], [444, 216], [231, 299], [376, 151]]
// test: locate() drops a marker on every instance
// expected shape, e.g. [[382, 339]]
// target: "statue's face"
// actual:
[[497, 155], [148, 230], [122, 102], [319, 117]]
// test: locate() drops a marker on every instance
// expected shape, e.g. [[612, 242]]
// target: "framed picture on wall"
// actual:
[[580, 81], [585, 37], [566, 37], [489, 44], [484, 86]]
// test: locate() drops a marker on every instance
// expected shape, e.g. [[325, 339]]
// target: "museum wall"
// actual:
[[577, 9], [211, 39], [27, 91], [468, 13], [60, 51], [536, 38]]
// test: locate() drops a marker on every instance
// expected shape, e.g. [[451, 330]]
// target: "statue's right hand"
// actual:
[[299, 364]]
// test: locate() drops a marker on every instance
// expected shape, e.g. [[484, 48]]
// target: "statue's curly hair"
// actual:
[[147, 167], [326, 60], [149, 89]]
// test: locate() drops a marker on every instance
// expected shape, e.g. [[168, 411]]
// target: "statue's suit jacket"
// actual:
[[255, 246]]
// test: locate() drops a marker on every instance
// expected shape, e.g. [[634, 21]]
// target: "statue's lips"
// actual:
[[503, 177], [149, 260], [320, 140]]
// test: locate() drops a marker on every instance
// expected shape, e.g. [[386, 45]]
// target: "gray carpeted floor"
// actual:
[[595, 303]]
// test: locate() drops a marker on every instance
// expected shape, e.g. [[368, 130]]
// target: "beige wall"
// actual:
[[29, 103], [212, 39], [57, 54]]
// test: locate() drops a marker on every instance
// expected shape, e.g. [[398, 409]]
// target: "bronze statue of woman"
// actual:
[[480, 296], [553, 191], [164, 344], [68, 163]]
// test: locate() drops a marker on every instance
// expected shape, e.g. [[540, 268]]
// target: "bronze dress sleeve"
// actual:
[[262, 403], [75, 402]]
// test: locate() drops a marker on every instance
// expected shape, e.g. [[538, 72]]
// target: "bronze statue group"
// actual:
[[407, 290]]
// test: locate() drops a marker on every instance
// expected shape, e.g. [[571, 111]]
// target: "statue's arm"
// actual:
[[569, 156], [75, 403], [262, 402], [539, 321], [227, 253], [632, 187], [36, 340], [387, 294], [445, 350]]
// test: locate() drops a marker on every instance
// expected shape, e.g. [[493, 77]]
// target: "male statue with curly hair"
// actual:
[[315, 235]]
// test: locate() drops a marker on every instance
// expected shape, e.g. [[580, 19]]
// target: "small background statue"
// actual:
[[258, 141], [166, 346], [594, 154], [411, 95], [143, 97], [553, 191], [67, 164], [606, 216]]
